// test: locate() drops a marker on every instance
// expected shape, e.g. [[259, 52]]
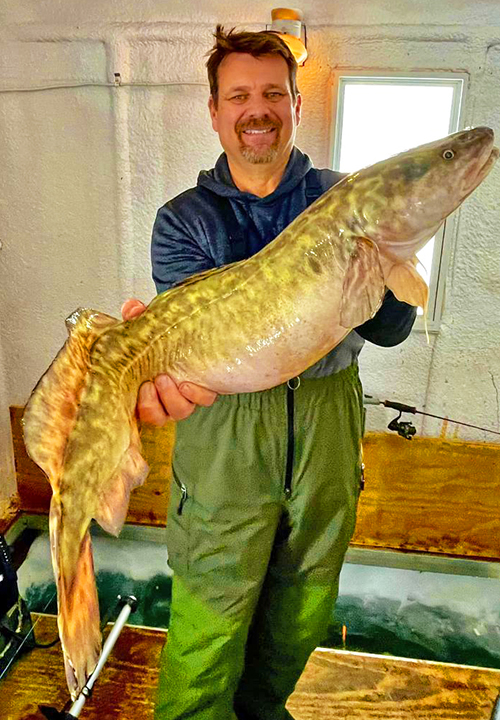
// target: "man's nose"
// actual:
[[258, 106]]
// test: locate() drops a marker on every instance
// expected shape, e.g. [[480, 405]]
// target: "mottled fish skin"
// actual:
[[254, 324], [245, 327], [221, 332]]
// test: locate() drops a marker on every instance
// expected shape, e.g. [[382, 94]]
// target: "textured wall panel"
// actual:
[[58, 227], [362, 12], [35, 64]]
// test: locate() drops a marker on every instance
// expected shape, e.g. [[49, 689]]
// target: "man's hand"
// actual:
[[162, 400]]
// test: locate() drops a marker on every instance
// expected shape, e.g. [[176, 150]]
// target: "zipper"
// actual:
[[291, 386], [184, 495]]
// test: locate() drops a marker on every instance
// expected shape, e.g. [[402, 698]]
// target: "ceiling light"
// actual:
[[287, 22]]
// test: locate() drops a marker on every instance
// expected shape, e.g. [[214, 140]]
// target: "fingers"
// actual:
[[197, 394], [131, 308], [176, 405], [162, 400], [149, 406]]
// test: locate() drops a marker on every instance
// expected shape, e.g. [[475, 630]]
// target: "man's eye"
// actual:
[[274, 95], [238, 98]]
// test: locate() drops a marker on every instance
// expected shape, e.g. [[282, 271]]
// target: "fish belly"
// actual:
[[252, 339]]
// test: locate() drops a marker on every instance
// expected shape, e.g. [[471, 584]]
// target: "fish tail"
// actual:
[[52, 408], [80, 428], [78, 607]]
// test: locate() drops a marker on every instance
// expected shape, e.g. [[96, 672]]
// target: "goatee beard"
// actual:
[[258, 158], [252, 155]]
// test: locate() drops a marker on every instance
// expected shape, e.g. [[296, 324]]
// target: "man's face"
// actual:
[[256, 116]]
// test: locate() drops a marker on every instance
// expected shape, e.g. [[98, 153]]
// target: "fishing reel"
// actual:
[[403, 428], [407, 430]]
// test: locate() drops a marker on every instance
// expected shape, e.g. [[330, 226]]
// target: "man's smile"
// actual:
[[259, 132], [258, 135]]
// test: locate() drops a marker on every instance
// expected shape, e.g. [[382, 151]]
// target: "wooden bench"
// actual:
[[425, 495]]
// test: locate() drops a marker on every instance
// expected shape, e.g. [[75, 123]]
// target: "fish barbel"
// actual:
[[244, 327]]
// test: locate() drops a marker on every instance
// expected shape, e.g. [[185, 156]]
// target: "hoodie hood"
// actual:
[[219, 179]]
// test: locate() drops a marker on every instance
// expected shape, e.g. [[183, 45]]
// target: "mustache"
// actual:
[[257, 124]]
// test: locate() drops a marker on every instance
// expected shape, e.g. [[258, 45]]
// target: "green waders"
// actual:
[[262, 509]]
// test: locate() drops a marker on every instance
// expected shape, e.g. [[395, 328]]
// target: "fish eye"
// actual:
[[448, 154]]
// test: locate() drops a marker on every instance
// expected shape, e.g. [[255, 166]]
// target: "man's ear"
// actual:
[[298, 109], [213, 112]]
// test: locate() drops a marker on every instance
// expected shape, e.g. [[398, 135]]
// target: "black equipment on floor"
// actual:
[[15, 619]]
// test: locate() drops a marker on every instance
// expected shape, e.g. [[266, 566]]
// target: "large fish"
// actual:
[[244, 327]]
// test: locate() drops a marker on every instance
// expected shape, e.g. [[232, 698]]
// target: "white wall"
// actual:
[[83, 170]]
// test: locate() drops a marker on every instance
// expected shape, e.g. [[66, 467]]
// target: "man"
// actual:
[[265, 484]]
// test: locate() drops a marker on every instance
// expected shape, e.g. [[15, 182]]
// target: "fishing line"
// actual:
[[457, 422]]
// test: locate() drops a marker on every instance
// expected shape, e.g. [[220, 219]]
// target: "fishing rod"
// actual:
[[496, 709], [129, 605], [407, 429]]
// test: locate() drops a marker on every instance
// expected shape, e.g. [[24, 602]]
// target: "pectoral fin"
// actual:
[[132, 471], [364, 286], [407, 285]]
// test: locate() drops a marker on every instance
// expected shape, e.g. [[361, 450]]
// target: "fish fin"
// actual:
[[132, 471], [52, 409], [408, 285], [363, 289], [78, 606]]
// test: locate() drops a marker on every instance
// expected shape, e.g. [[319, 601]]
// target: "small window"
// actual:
[[380, 115]]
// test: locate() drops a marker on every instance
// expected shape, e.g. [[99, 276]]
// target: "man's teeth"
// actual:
[[258, 132]]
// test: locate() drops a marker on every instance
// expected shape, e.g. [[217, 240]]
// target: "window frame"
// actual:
[[446, 236]]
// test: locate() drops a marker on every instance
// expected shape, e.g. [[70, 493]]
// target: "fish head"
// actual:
[[402, 201]]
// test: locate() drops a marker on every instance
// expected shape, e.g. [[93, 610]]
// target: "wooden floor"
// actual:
[[334, 685]]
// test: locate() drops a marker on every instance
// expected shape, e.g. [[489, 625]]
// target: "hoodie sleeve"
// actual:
[[175, 253], [391, 325]]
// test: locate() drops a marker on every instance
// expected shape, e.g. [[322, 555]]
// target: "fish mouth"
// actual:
[[485, 163], [490, 161]]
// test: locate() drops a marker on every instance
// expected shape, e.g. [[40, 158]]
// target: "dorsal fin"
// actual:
[[52, 408], [89, 324]]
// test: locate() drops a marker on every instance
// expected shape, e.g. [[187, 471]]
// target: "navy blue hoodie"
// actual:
[[214, 224]]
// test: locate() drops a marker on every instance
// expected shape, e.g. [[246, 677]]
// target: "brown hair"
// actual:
[[257, 44]]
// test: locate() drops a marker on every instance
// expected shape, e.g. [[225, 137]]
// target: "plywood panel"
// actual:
[[9, 513], [429, 494], [426, 494], [334, 685]]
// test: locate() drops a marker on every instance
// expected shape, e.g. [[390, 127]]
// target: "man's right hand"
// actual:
[[162, 400]]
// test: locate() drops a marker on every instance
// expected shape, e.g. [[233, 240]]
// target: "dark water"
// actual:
[[401, 612], [153, 597], [416, 631]]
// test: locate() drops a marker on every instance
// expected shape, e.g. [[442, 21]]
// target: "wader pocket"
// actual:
[[177, 531], [361, 462], [184, 495]]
